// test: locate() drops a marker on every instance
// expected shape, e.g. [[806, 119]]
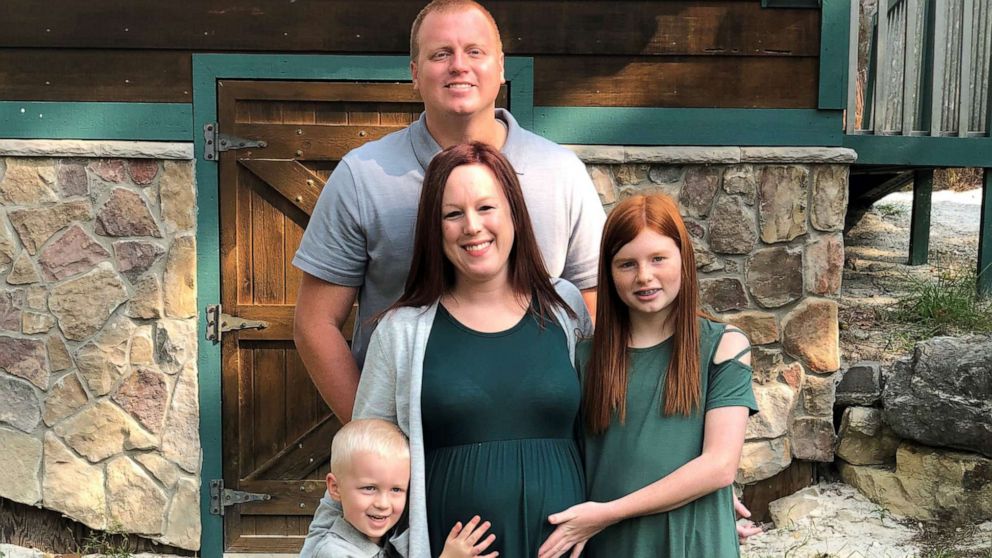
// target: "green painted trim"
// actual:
[[659, 126], [985, 237], [96, 121], [919, 221], [835, 37], [921, 151]]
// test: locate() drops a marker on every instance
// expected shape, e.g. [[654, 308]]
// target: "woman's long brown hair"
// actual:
[[432, 274], [605, 389]]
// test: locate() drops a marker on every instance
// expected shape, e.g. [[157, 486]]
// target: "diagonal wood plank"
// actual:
[[295, 182], [302, 456]]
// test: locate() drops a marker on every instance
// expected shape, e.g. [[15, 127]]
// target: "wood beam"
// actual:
[[919, 227]]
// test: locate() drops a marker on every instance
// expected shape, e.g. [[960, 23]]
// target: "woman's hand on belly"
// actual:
[[576, 525]]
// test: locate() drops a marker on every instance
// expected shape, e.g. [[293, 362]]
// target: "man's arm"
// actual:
[[321, 311]]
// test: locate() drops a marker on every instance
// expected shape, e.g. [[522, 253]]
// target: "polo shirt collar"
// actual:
[[425, 147], [348, 532]]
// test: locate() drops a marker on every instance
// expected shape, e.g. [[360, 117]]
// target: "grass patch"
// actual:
[[946, 304], [890, 209]]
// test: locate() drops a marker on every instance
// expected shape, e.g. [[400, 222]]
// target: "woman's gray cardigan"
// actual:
[[390, 389]]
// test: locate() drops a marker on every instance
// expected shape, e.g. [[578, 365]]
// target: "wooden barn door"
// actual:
[[277, 430]]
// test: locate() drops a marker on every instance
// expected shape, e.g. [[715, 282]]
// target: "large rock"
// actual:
[[71, 179], [943, 395], [741, 179], [782, 194], [760, 327], [146, 302], [865, 439], [786, 512], [137, 504], [813, 438], [829, 197], [178, 196], [181, 441], [928, 484], [126, 214], [810, 333], [102, 431], [162, 469], [101, 367], [860, 384], [825, 265], [763, 459], [183, 528], [36, 225], [180, 279], [732, 228], [19, 406], [775, 276], [818, 395], [73, 486], [134, 257], [24, 358], [28, 182], [144, 395], [82, 305], [726, 293], [73, 252], [775, 403], [20, 465], [66, 397], [699, 189]]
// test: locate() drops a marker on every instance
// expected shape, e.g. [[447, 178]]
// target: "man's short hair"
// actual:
[[376, 436], [447, 6]]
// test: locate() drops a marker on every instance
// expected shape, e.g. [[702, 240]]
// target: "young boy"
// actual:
[[370, 474]]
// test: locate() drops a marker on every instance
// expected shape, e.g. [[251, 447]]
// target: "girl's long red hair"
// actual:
[[605, 389]]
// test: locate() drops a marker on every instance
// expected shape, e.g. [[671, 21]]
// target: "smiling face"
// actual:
[[647, 274], [476, 225], [372, 491], [459, 64]]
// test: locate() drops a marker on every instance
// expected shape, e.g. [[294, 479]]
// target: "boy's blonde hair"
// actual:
[[377, 436]]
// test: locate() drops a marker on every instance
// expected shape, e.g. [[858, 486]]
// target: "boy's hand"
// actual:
[[463, 542]]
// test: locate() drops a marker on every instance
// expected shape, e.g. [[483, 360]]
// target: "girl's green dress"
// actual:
[[499, 415], [649, 446]]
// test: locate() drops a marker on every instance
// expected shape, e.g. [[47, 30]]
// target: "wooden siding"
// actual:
[[587, 53]]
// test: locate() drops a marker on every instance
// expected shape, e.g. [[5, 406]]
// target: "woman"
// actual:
[[474, 362]]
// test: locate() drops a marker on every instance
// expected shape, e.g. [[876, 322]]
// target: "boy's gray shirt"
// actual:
[[361, 231], [390, 389], [342, 540]]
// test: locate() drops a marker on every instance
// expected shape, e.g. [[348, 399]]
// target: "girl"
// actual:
[[666, 398]]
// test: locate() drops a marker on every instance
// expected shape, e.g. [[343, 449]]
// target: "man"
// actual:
[[359, 240]]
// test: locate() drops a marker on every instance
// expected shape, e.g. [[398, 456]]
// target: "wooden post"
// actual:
[[919, 226], [985, 238]]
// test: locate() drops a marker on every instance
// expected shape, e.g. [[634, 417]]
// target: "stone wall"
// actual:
[[98, 381], [767, 226]]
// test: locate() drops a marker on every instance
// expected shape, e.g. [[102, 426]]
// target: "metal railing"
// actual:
[[927, 69]]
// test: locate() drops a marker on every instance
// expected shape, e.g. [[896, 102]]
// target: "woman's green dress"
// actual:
[[649, 446], [499, 416]]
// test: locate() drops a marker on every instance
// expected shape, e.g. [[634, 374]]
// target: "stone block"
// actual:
[[864, 439], [110, 170], [861, 384], [144, 395], [829, 197], [760, 327], [943, 395], [793, 375], [135, 257], [183, 528], [59, 358], [782, 194], [666, 174], [20, 466], [28, 182], [146, 300], [71, 179], [166, 472], [597, 154], [73, 252], [101, 367], [825, 265], [102, 431], [142, 347], [83, 304], [775, 276], [723, 294], [741, 180], [631, 174], [810, 333], [813, 438], [136, 503], [732, 228], [125, 213], [705, 260], [143, 171], [24, 358], [35, 226], [602, 179], [175, 343], [10, 314], [818, 395], [699, 189], [181, 441], [762, 459], [65, 398], [23, 272], [36, 322], [73, 486], [178, 196], [775, 404], [35, 298], [788, 511], [180, 279], [765, 363]]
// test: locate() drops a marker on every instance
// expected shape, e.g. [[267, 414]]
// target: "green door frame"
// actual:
[[207, 69]]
